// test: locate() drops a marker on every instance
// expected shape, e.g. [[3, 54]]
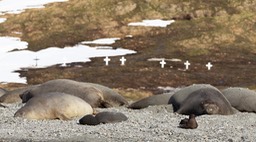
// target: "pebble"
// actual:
[[156, 123]]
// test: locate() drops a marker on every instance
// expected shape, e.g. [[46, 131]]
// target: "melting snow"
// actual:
[[152, 23], [11, 61], [18, 6]]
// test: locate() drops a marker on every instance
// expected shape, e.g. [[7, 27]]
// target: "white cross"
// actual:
[[106, 60], [187, 64], [162, 63], [209, 65], [122, 61], [36, 59]]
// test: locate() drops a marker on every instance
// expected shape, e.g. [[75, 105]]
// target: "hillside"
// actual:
[[216, 31]]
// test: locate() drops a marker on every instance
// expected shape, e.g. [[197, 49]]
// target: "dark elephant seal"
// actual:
[[13, 96], [242, 99], [103, 117], [178, 97], [205, 101], [91, 95], [54, 105], [189, 123], [162, 99]]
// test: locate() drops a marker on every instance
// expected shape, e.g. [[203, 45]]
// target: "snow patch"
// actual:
[[15, 60], [152, 23], [18, 6], [105, 41]]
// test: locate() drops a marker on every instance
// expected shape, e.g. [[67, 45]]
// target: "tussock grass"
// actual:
[[63, 24]]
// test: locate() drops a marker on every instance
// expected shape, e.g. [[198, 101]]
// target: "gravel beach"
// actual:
[[155, 123]]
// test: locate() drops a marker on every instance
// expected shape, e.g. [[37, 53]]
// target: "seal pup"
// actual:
[[162, 99], [242, 99], [54, 105], [103, 117], [205, 101], [189, 123]]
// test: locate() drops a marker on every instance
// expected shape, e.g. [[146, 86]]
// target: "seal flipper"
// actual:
[[105, 104]]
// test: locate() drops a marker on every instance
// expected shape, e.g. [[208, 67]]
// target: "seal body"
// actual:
[[241, 99], [96, 95], [162, 99], [189, 123], [91, 95], [54, 105], [89, 119], [205, 101], [103, 117], [111, 98], [178, 97], [13, 96]]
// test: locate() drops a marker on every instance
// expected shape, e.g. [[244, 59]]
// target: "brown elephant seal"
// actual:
[[205, 101], [162, 99], [189, 123], [242, 99], [91, 95], [54, 105], [103, 117], [178, 97], [111, 98], [96, 95]]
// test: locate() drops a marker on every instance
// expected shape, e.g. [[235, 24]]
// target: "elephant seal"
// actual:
[[111, 98], [242, 99], [162, 99], [205, 101], [189, 123], [103, 117], [13, 96], [178, 97], [54, 105], [91, 95], [96, 95]]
